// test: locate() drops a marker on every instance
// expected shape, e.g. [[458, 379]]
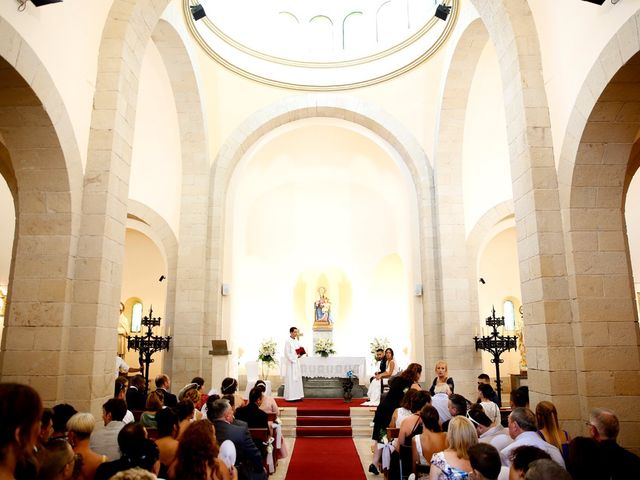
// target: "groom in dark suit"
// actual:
[[248, 458]]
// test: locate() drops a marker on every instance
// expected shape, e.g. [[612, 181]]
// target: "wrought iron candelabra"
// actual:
[[148, 344], [496, 344]]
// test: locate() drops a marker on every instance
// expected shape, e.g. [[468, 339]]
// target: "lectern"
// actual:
[[219, 362]]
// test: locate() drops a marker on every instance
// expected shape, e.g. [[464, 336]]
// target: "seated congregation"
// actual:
[[439, 434], [418, 433], [192, 435]]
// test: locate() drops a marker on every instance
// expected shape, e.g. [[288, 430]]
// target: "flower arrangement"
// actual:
[[379, 343], [324, 347], [267, 355], [267, 352]]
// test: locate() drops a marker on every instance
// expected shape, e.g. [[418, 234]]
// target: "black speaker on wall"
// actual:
[[40, 3], [597, 2]]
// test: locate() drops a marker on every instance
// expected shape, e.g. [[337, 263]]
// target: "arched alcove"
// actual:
[[144, 263], [321, 203]]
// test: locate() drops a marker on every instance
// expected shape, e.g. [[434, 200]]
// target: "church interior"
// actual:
[[421, 162]]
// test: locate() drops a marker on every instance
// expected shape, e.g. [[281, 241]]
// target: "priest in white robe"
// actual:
[[292, 376]]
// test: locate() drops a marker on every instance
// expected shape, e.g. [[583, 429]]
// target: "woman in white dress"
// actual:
[[375, 388]]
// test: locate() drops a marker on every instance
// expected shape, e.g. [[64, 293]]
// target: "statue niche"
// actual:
[[322, 319]]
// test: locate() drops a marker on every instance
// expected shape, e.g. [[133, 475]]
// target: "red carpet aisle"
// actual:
[[324, 459], [324, 447]]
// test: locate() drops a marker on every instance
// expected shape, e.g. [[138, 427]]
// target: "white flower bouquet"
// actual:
[[379, 343], [324, 347], [267, 355]]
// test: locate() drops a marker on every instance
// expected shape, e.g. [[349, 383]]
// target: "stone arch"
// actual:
[[596, 163], [167, 242], [189, 289], [541, 252], [96, 290], [41, 163], [329, 106], [459, 303], [481, 230]]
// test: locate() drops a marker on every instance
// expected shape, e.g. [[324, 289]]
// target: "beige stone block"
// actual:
[[555, 288], [583, 197], [616, 153], [37, 314], [590, 285], [605, 309], [48, 387], [31, 363], [591, 334], [611, 241], [603, 132], [626, 383], [624, 333], [19, 338], [53, 290], [619, 286], [600, 263], [562, 358], [621, 358], [597, 383], [48, 338]]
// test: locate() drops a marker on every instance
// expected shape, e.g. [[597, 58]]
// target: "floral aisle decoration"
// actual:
[[267, 356], [377, 344], [324, 347]]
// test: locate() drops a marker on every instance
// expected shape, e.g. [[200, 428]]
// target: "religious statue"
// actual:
[[322, 311], [123, 332], [521, 346]]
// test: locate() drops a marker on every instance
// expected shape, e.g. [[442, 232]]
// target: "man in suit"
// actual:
[[252, 414], [254, 417], [136, 399], [163, 383], [604, 427], [248, 458]]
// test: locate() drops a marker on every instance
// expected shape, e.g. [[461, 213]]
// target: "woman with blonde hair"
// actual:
[[442, 379], [80, 427], [453, 463], [549, 428]]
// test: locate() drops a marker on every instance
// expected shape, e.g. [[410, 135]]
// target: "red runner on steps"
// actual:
[[324, 459]]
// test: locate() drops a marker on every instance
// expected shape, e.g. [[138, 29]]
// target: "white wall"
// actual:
[[485, 152], [572, 34], [8, 222], [632, 217], [156, 165]]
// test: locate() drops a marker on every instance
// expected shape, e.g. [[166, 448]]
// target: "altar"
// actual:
[[323, 377]]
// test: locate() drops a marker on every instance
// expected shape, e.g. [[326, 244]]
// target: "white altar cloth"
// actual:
[[330, 367]]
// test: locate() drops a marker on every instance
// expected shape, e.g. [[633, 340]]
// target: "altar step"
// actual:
[[359, 419]]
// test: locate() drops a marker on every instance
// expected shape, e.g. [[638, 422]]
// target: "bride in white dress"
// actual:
[[375, 388]]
